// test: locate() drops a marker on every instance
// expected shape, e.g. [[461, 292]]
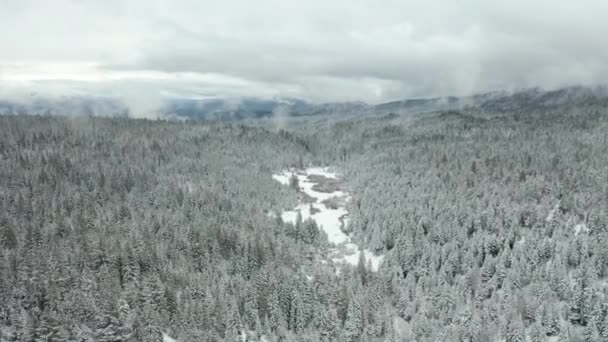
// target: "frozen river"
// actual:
[[330, 218]]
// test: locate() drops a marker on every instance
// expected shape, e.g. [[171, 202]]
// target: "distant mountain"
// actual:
[[335, 107], [533, 99], [224, 109], [418, 105], [65, 106], [516, 102], [231, 109]]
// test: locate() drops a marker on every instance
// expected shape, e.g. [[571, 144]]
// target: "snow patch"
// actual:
[[321, 171], [372, 261], [282, 178], [581, 227], [167, 338], [326, 219], [350, 252], [330, 220]]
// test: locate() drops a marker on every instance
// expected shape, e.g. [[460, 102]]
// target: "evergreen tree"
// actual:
[[353, 326]]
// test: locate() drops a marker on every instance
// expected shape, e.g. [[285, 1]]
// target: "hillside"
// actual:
[[492, 226]]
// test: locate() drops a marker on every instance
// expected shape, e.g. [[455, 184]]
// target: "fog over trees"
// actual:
[[493, 227]]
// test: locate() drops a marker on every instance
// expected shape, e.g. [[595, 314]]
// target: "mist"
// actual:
[[280, 115]]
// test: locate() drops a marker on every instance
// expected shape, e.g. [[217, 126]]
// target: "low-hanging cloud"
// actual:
[[317, 50]]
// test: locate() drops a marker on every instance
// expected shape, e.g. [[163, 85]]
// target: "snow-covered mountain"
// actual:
[[230, 109], [64, 106]]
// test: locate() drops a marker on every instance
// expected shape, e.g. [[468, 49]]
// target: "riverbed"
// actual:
[[323, 199]]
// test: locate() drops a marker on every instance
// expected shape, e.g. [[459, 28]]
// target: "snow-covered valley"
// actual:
[[324, 201]]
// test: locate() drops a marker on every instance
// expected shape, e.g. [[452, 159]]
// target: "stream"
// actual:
[[324, 201]]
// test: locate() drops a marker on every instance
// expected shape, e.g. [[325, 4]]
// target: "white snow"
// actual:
[[282, 178], [403, 329], [327, 219], [306, 185], [330, 220], [353, 259], [581, 227], [166, 338], [321, 171], [551, 214]]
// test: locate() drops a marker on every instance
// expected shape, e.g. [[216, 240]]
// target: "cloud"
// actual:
[[318, 50]]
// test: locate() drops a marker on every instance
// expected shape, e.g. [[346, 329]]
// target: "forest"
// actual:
[[493, 227]]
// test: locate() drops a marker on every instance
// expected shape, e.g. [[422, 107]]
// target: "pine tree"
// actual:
[[353, 326], [390, 334], [515, 330], [328, 325], [8, 238], [361, 268], [277, 317], [250, 311], [582, 301], [109, 329], [603, 328], [537, 333]]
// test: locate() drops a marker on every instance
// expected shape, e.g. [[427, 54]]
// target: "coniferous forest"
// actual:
[[493, 227]]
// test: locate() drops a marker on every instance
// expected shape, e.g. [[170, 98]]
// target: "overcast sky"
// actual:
[[330, 50]]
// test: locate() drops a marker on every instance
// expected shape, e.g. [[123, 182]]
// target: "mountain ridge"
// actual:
[[235, 109]]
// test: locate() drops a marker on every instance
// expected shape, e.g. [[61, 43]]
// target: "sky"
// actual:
[[323, 51]]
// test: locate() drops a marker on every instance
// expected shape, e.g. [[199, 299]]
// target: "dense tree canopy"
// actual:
[[492, 226]]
